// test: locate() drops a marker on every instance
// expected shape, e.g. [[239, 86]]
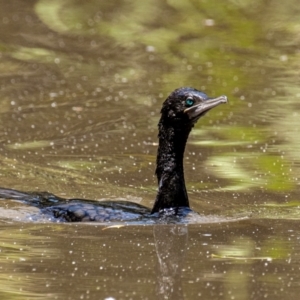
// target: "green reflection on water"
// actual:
[[30, 145], [269, 171]]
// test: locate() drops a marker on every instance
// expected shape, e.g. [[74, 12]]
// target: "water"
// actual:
[[81, 86]]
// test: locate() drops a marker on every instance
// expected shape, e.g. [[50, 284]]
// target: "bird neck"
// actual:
[[169, 168]]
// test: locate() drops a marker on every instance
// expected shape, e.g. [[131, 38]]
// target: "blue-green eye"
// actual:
[[189, 102]]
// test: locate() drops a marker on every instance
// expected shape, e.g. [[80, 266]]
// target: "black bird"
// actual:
[[180, 111]]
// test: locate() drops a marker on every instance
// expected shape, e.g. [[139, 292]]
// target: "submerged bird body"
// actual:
[[180, 111]]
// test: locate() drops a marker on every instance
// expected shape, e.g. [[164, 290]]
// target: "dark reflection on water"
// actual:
[[81, 85], [171, 245]]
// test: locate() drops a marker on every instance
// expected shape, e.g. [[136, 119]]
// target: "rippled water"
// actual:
[[81, 85]]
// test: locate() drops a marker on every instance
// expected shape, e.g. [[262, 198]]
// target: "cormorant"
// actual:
[[180, 111]]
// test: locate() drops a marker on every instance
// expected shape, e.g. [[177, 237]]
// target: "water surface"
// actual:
[[81, 86]]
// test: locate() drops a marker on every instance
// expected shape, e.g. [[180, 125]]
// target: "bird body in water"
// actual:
[[179, 113]]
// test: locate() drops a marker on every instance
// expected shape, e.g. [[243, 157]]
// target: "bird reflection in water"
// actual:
[[171, 244]]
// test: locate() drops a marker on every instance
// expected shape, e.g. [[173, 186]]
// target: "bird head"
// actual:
[[186, 105]]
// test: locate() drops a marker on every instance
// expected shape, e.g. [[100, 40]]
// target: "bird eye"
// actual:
[[189, 102]]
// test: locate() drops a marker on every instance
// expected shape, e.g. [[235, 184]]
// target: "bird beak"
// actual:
[[204, 106]]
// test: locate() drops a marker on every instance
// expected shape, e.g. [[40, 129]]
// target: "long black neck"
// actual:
[[169, 168]]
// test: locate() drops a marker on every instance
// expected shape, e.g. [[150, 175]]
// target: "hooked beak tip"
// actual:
[[223, 99]]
